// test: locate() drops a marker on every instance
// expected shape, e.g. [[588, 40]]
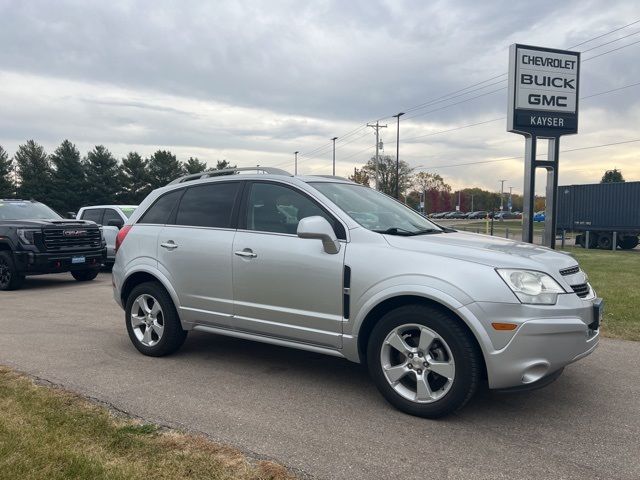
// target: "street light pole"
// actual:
[[510, 199], [472, 194], [295, 168], [334, 155], [398, 115], [502, 194]]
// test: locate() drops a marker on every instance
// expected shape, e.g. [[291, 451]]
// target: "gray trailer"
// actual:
[[601, 214]]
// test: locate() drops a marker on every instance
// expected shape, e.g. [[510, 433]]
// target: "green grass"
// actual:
[[499, 228], [616, 277], [49, 433]]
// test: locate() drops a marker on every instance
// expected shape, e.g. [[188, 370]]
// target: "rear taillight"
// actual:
[[122, 235]]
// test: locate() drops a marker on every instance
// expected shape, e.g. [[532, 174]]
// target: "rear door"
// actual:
[[285, 286], [194, 251], [110, 232]]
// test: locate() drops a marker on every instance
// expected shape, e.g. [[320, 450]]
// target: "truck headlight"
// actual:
[[26, 235], [531, 286]]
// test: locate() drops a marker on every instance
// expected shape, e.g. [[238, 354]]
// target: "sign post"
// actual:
[[543, 103]]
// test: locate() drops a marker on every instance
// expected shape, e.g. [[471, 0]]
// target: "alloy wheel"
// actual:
[[417, 363], [147, 320]]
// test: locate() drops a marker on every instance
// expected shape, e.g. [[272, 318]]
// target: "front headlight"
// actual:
[[531, 286], [26, 235]]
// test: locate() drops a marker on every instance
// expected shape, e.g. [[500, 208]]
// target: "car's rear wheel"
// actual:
[[423, 361], [152, 321], [85, 275], [10, 278]]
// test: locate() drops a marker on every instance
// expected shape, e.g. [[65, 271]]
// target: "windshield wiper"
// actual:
[[406, 233]]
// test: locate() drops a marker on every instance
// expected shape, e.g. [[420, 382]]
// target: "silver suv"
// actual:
[[330, 266]]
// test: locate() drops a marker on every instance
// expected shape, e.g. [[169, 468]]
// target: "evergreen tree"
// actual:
[[163, 168], [7, 186], [193, 165], [612, 176], [222, 164], [68, 179], [135, 178], [34, 171], [103, 176]]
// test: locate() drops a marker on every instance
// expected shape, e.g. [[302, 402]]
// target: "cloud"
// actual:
[[255, 81]]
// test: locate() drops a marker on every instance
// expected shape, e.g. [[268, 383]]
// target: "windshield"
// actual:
[[128, 211], [376, 211], [26, 211]]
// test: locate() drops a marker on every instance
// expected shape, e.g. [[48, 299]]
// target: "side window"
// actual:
[[208, 205], [161, 210], [93, 214], [275, 208], [110, 214]]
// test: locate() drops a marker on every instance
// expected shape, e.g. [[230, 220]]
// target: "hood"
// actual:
[[38, 223], [487, 250]]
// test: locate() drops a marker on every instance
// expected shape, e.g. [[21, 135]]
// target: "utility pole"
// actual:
[[510, 199], [398, 155], [295, 168], [472, 202], [502, 194], [334, 155], [459, 200], [377, 128]]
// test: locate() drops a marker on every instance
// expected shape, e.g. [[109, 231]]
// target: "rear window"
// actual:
[[161, 210], [208, 205], [128, 211]]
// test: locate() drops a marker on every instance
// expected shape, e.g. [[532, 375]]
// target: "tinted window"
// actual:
[[208, 205], [93, 214], [110, 214], [274, 208], [13, 210], [160, 211]]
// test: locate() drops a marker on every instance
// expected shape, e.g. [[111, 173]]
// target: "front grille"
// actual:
[[55, 239], [570, 271], [581, 290]]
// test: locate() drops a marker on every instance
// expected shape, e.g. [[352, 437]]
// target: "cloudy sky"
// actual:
[[252, 82]]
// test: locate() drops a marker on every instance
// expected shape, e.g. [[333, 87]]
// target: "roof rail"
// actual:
[[229, 171], [336, 177]]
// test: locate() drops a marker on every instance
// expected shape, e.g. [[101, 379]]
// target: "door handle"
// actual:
[[170, 245], [247, 253]]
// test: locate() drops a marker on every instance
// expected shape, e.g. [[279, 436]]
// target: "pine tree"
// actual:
[[193, 165], [7, 186], [103, 176], [68, 179], [34, 171], [163, 168], [135, 178], [222, 164]]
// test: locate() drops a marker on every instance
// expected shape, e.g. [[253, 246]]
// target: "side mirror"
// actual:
[[115, 223], [318, 227]]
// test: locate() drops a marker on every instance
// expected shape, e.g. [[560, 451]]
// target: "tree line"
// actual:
[[438, 195], [66, 181]]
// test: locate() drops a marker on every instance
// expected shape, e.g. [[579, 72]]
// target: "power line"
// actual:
[[609, 51], [605, 34], [610, 42]]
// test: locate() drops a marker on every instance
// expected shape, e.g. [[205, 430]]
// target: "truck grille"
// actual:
[[570, 271], [76, 238], [581, 290]]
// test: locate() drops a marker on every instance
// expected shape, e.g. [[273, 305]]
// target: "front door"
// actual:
[[285, 286]]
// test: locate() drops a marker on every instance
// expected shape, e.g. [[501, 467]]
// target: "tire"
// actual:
[[605, 241], [628, 242], [582, 239], [451, 342], [172, 335], [85, 275], [10, 278]]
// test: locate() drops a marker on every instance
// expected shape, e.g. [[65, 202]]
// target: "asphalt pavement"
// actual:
[[321, 415]]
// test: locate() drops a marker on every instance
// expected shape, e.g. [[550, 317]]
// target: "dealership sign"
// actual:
[[543, 91]]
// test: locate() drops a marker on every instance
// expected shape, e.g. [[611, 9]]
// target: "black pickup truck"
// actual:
[[36, 240]]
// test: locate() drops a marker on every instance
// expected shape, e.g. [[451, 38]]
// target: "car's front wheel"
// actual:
[[10, 278], [152, 321], [423, 361]]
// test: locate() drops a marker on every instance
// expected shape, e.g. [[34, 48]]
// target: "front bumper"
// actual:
[[547, 339], [33, 263]]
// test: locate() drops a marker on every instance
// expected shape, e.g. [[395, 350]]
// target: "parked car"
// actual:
[[477, 215], [330, 266], [506, 216], [111, 218], [439, 214], [36, 240], [539, 216], [458, 215]]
